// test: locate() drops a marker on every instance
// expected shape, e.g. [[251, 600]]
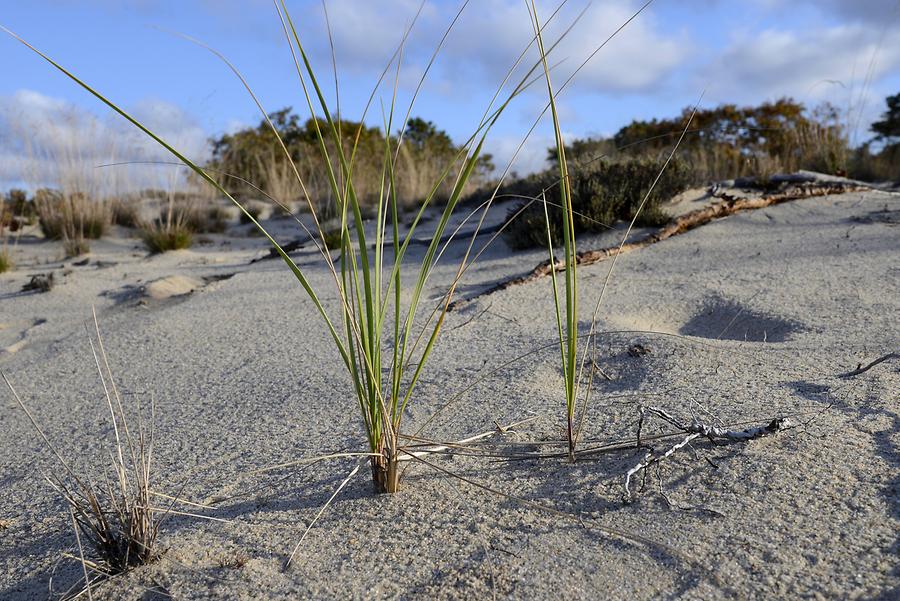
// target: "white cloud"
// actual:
[[807, 65], [638, 58], [490, 35], [48, 141]]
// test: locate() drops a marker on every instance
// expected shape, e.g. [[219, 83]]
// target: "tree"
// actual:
[[888, 129]]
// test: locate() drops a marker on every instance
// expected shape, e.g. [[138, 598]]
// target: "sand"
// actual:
[[745, 319]]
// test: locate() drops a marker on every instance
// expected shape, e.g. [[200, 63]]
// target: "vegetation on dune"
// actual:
[[255, 155], [602, 192], [116, 520], [385, 321], [382, 337], [125, 212], [610, 176], [74, 218], [160, 237]]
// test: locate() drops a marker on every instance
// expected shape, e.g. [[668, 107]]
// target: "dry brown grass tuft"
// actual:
[[125, 212], [72, 218], [115, 518]]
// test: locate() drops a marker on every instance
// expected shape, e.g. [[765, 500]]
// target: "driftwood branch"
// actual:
[[693, 430], [860, 369], [727, 205]]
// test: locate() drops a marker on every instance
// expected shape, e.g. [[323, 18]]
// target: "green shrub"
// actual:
[[602, 193]]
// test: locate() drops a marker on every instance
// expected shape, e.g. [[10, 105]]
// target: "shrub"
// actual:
[[602, 193]]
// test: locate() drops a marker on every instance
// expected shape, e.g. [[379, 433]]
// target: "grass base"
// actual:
[[385, 475]]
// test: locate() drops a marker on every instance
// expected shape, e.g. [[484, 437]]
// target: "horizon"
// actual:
[[814, 52]]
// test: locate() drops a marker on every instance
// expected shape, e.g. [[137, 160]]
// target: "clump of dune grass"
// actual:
[[125, 212], [73, 218], [6, 262], [203, 220], [114, 518], [254, 210], [173, 230], [160, 237]]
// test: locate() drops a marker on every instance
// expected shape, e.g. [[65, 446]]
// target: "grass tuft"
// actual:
[[71, 216], [160, 238], [6, 262], [126, 212], [116, 519]]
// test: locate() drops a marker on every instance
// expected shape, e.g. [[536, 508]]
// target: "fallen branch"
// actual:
[[728, 205], [692, 431], [860, 369]]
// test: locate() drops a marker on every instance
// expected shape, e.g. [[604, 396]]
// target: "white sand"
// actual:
[[771, 305]]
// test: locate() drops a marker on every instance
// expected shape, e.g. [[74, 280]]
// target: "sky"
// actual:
[[668, 57]]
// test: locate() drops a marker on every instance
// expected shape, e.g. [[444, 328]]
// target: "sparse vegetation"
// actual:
[[254, 155], [161, 237], [72, 218], [126, 212], [6, 221], [254, 210], [6, 262], [602, 192], [118, 523], [203, 219]]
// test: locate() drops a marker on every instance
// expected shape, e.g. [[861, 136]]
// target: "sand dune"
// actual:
[[738, 322]]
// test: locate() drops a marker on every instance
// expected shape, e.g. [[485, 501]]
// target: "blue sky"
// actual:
[[737, 51]]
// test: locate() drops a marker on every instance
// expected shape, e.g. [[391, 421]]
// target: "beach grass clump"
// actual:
[[62, 216], [6, 261], [209, 219], [116, 523], [72, 218], [384, 321], [125, 212], [160, 237]]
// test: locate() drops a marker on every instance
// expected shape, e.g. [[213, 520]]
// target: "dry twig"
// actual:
[[695, 429]]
